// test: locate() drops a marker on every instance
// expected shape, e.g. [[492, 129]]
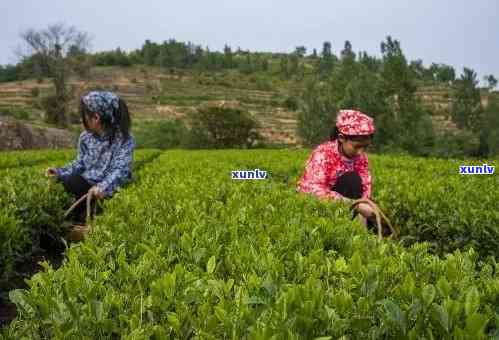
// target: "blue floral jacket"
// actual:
[[101, 163]]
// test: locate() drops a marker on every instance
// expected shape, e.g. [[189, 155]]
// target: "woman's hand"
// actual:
[[51, 173], [96, 192], [365, 210]]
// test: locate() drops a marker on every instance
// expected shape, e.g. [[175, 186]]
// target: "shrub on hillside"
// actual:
[[164, 134], [459, 144], [222, 127], [291, 103], [263, 83], [18, 113], [35, 92]]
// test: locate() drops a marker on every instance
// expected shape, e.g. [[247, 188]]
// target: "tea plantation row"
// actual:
[[186, 252], [31, 205]]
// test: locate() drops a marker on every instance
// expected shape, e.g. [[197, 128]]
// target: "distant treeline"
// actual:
[[383, 86], [176, 54]]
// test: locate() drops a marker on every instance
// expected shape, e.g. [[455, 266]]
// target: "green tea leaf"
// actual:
[[475, 324], [173, 321], [444, 286], [356, 263], [394, 314], [472, 301], [428, 294], [210, 266], [442, 316], [19, 298]]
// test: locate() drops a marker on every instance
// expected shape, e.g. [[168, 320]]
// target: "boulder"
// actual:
[[17, 135]]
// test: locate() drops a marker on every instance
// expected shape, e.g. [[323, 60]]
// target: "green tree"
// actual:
[[466, 111], [264, 64], [490, 129], [491, 81], [316, 113], [396, 74], [348, 66], [121, 58], [284, 67], [177, 53], [442, 73], [326, 50], [246, 64], [8, 73], [300, 51], [347, 53], [294, 63], [198, 54], [150, 52], [364, 92], [410, 125], [372, 63], [228, 57], [135, 57], [344, 72], [327, 60], [417, 68]]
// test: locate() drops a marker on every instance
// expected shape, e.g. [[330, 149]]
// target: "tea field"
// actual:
[[184, 251]]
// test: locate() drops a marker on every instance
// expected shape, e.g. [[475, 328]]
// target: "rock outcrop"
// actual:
[[17, 135]]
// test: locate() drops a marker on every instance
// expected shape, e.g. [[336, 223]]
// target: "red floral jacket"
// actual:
[[326, 164]]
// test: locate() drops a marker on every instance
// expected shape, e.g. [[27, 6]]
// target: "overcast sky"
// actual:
[[459, 33]]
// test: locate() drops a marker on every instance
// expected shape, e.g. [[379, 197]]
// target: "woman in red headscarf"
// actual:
[[338, 169]]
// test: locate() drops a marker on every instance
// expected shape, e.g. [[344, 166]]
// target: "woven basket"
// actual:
[[78, 232]]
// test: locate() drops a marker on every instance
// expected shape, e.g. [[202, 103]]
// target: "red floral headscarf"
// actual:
[[352, 122]]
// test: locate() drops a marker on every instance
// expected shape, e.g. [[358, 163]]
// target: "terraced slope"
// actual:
[[155, 94]]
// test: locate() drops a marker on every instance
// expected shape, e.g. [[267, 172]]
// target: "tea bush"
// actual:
[[186, 252]]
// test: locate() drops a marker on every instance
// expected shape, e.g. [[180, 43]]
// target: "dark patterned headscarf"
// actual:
[[103, 103]]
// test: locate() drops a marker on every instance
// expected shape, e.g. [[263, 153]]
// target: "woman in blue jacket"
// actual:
[[105, 150]]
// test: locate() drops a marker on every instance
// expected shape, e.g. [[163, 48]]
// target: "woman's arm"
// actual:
[[316, 179], [120, 168], [76, 166]]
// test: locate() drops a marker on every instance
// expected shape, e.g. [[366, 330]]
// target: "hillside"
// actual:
[[154, 94]]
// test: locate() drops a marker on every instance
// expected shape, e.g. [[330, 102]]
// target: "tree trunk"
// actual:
[[60, 89]]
